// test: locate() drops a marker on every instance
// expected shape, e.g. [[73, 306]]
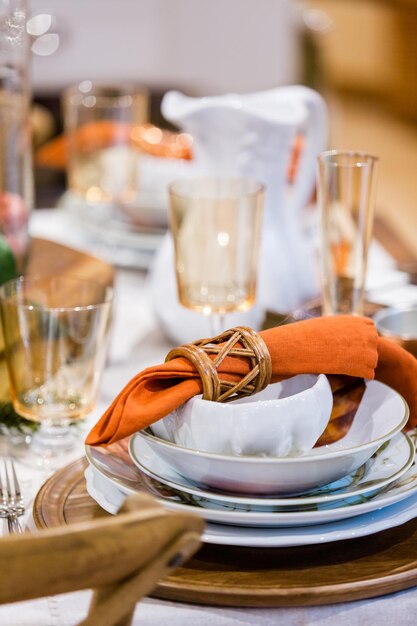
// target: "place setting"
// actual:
[[236, 429], [243, 524]]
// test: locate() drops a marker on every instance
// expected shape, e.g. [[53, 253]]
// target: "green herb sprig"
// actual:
[[11, 420]]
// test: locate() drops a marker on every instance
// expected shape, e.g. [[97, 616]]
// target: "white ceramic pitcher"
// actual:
[[253, 135]]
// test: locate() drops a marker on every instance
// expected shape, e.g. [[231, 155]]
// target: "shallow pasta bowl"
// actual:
[[381, 414]]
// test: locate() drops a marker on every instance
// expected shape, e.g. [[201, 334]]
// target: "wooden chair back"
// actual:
[[121, 558]]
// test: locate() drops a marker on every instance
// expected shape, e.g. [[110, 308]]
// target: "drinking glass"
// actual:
[[99, 120], [346, 185], [16, 179], [56, 334], [399, 323], [216, 227]]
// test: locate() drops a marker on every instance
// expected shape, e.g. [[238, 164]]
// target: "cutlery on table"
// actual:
[[11, 501]]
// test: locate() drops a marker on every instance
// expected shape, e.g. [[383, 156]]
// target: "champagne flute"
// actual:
[[55, 334], [216, 227], [346, 188]]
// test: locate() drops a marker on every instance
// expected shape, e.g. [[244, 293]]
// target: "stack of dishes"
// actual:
[[362, 483]]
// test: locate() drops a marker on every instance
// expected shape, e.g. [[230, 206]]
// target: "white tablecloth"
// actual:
[[67, 610], [136, 343]]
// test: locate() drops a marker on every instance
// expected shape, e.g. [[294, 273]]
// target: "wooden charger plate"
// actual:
[[257, 577], [48, 257]]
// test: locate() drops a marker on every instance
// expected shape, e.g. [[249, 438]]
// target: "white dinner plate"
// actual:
[[110, 498], [221, 513], [122, 249], [118, 242], [388, 464]]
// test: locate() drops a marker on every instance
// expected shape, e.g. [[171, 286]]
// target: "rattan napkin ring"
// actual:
[[250, 345]]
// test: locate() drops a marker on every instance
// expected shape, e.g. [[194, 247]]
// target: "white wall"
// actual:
[[203, 46]]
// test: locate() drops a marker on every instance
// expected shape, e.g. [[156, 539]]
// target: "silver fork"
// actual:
[[11, 501]]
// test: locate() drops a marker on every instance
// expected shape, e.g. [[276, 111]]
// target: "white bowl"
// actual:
[[381, 414], [270, 423]]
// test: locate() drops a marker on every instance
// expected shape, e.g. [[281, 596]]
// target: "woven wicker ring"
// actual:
[[242, 342]]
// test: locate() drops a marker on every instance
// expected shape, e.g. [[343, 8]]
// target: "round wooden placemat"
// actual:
[[230, 576]]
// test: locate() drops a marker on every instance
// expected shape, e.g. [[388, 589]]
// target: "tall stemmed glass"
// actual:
[[346, 187], [55, 334], [216, 227]]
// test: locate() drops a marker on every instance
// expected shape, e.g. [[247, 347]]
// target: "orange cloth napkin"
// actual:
[[99, 135], [343, 344]]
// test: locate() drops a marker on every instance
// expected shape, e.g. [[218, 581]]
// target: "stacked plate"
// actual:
[[374, 484]]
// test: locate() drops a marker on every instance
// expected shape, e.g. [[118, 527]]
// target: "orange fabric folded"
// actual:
[[343, 345], [105, 133]]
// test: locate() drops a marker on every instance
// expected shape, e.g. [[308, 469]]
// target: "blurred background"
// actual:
[[360, 54]]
